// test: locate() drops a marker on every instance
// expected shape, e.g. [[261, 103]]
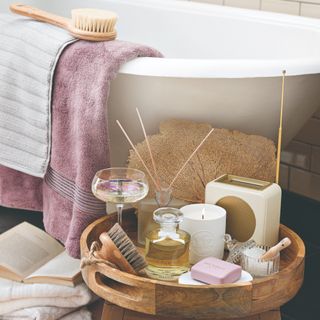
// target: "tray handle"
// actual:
[[118, 289], [130, 294]]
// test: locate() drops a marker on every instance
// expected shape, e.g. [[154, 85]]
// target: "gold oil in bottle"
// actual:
[[167, 248]]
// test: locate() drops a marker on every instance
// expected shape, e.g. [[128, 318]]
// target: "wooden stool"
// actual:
[[113, 312]]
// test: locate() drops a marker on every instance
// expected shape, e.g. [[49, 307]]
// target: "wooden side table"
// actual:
[[114, 312]]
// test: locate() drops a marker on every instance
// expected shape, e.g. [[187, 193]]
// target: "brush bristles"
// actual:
[[93, 20], [127, 247]]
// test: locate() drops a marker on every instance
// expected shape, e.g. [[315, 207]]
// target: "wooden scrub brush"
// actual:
[[118, 249], [86, 24]]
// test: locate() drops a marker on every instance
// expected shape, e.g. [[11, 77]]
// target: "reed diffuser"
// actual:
[[163, 191]]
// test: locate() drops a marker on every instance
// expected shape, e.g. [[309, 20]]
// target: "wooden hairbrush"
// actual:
[[86, 24], [118, 249]]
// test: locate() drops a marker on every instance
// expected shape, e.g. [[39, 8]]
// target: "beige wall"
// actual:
[[300, 169]]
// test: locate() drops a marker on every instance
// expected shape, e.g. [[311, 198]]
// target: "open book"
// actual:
[[30, 255]]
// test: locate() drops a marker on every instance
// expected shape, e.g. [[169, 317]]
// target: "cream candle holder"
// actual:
[[206, 223]]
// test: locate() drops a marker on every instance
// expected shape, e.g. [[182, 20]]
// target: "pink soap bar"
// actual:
[[215, 271]]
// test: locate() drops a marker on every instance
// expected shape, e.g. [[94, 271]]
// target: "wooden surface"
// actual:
[[40, 15], [113, 312], [230, 301]]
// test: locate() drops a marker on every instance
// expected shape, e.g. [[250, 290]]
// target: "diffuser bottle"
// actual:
[[146, 207], [167, 247]]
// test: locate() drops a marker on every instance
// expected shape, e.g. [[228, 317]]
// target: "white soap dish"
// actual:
[[186, 279]]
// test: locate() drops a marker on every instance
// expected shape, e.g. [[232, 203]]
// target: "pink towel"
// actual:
[[80, 143]]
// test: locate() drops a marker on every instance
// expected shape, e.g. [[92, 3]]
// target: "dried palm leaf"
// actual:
[[225, 151]]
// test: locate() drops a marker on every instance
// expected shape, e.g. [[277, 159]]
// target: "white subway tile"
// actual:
[[284, 176], [315, 160], [305, 183], [310, 133], [283, 6], [310, 1], [310, 10], [219, 2], [297, 154], [248, 4]]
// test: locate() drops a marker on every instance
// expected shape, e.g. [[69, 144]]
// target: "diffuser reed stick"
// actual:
[[280, 129], [149, 149], [138, 154], [144, 164], [192, 154]]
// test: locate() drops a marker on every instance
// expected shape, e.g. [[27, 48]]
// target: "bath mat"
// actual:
[[29, 51], [80, 143]]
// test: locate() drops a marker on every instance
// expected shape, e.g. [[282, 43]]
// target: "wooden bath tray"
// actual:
[[165, 299]]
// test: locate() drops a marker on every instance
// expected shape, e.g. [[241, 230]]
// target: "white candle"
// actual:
[[206, 223]]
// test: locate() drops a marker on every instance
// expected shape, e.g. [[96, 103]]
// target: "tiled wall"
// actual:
[[301, 161], [300, 169], [308, 8]]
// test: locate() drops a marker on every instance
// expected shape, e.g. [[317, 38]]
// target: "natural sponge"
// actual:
[[225, 151]]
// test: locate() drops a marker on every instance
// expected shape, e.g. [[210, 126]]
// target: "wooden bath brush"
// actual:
[[118, 249], [86, 24]]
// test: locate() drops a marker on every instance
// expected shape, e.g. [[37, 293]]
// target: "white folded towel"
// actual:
[[16, 296], [48, 313]]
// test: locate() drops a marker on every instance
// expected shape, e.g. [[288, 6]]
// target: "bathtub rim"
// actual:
[[219, 68]]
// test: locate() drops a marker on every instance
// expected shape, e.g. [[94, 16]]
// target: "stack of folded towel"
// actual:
[[43, 301]]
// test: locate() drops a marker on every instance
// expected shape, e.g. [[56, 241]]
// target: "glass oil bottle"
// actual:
[[167, 247]]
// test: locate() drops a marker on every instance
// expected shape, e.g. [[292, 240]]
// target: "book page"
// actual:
[[61, 266], [24, 248]]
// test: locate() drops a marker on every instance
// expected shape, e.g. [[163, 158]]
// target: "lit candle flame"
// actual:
[[203, 212]]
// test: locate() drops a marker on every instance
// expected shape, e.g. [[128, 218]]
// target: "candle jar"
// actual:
[[206, 223], [167, 247], [147, 206], [252, 263]]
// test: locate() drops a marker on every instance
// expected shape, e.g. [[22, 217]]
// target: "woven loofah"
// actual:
[[225, 151]]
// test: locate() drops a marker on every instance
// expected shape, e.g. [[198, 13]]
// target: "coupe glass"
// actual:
[[120, 186]]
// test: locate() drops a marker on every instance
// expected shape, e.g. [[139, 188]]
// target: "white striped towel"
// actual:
[[29, 51], [16, 296], [48, 313]]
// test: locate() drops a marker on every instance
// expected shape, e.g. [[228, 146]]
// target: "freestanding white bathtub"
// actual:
[[223, 65]]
